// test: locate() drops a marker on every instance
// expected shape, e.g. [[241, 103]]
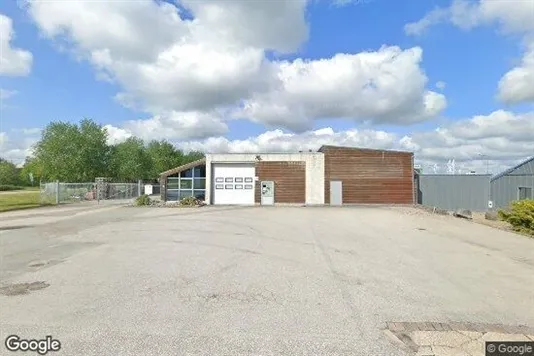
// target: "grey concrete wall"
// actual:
[[505, 189], [452, 192], [314, 169]]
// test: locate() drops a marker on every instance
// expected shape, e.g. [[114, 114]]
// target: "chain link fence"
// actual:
[[60, 193]]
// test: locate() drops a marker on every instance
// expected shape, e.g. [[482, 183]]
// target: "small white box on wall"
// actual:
[[149, 189]]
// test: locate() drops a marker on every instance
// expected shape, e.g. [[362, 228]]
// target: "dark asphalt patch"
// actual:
[[22, 288]]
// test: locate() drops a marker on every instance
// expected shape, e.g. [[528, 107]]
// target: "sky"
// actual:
[[447, 80]]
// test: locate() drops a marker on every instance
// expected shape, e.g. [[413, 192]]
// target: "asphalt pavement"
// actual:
[[252, 281]]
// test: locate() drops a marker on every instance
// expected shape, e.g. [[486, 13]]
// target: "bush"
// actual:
[[191, 201], [520, 215], [143, 200], [6, 187]]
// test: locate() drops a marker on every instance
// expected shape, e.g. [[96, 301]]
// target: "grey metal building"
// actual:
[[451, 192], [515, 183]]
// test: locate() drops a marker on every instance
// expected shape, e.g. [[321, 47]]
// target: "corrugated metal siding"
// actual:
[[451, 192], [505, 189], [370, 176]]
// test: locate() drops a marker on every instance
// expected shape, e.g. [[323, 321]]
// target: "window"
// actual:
[[229, 179], [238, 180], [172, 195], [248, 180], [185, 194], [200, 172], [186, 183], [219, 180], [199, 183], [219, 186], [199, 194], [189, 183], [248, 186], [187, 174], [173, 183], [525, 193], [239, 186], [229, 186]]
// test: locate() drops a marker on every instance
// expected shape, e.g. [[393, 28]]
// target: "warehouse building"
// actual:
[[333, 175], [516, 183]]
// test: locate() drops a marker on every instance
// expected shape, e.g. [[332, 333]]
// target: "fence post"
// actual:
[[139, 182], [57, 192]]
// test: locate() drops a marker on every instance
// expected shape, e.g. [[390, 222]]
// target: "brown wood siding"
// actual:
[[289, 180], [370, 176]]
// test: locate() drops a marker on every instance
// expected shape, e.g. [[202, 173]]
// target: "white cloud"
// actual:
[[434, 17], [31, 131], [386, 86], [279, 141], [116, 134], [3, 139], [517, 86], [170, 126], [216, 60], [513, 17], [6, 94], [497, 140], [16, 147], [275, 25], [13, 61]]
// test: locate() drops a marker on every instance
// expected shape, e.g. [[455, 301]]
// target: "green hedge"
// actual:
[[7, 187], [520, 215]]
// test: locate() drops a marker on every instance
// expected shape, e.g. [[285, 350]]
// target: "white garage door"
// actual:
[[233, 184]]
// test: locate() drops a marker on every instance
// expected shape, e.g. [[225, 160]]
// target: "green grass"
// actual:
[[22, 200], [32, 188], [11, 188]]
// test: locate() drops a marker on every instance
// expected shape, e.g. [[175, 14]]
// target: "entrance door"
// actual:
[[336, 192]]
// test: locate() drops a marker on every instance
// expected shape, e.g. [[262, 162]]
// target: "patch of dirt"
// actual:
[[22, 288], [498, 224], [14, 227], [37, 264], [48, 263]]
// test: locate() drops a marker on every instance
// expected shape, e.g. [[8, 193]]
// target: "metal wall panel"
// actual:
[[505, 188], [451, 192]]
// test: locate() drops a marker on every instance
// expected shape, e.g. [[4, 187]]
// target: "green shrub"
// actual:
[[143, 200], [191, 201], [6, 187], [520, 215]]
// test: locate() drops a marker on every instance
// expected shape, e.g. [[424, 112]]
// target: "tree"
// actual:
[[35, 168], [130, 161], [94, 150], [73, 153], [9, 173], [193, 156], [163, 156]]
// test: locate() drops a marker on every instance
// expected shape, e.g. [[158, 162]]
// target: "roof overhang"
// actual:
[[182, 168]]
